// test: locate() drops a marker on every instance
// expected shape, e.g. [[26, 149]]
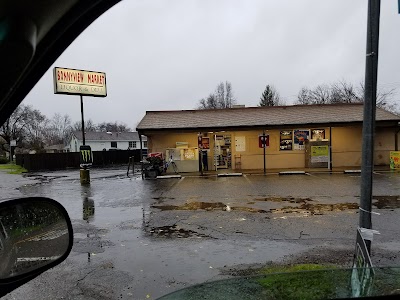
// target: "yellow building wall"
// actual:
[[346, 147], [160, 142], [384, 143], [275, 158]]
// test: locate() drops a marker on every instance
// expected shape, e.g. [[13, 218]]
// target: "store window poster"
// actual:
[[300, 136], [205, 141], [394, 160], [318, 134], [286, 140]]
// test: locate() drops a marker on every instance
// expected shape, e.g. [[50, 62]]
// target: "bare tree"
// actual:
[[209, 103], [15, 127], [384, 98], [220, 95], [221, 98], [321, 94], [304, 96], [36, 130], [229, 98], [270, 97], [113, 127], [344, 92], [58, 129], [89, 126]]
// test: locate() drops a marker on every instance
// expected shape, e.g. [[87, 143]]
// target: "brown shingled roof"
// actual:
[[259, 116]]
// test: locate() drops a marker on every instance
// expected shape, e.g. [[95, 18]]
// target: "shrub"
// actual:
[[3, 160]]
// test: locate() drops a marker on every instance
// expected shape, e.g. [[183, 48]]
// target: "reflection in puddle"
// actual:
[[88, 209], [386, 202]]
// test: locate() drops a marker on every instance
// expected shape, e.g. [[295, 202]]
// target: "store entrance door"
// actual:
[[222, 151]]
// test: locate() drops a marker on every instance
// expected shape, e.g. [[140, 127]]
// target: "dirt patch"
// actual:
[[304, 208], [386, 202], [175, 231], [209, 206], [323, 255], [284, 199], [316, 209], [326, 257], [249, 209]]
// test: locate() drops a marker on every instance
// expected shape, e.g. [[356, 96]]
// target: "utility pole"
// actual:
[[371, 76]]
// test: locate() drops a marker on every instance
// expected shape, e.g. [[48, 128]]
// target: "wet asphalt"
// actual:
[[141, 239]]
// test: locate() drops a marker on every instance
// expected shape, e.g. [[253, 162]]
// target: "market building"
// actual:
[[298, 136]]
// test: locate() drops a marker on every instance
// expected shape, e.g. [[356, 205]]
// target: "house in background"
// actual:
[[101, 141], [57, 148]]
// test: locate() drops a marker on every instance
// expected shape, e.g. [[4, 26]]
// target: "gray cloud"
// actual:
[[168, 54]]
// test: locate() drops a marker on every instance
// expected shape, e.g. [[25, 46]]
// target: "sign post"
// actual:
[[13, 144], [80, 82], [263, 142]]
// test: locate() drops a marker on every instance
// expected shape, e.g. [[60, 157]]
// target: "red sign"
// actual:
[[263, 141], [155, 154]]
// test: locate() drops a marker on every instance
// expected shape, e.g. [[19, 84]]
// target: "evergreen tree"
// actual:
[[269, 97]]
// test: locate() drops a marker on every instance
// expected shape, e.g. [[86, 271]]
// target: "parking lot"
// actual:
[[141, 239]]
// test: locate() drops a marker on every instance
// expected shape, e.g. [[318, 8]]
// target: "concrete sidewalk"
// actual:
[[340, 170]]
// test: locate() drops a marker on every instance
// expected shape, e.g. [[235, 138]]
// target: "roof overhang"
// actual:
[[150, 131]]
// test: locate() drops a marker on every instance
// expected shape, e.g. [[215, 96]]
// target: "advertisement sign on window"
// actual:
[[286, 140], [189, 154], [300, 136], [394, 160], [318, 134], [319, 154], [205, 142]]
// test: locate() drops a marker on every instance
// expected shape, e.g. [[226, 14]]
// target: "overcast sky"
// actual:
[[168, 54]]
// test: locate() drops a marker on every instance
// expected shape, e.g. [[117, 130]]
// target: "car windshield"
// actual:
[[209, 148]]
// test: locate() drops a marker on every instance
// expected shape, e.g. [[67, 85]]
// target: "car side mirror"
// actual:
[[35, 235]]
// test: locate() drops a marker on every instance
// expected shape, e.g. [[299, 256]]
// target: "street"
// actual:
[[141, 239]]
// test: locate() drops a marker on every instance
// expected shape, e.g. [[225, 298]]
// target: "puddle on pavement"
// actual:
[[284, 199], [386, 202], [175, 231], [316, 209]]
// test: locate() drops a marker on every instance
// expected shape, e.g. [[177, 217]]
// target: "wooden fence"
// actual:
[[62, 161]]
